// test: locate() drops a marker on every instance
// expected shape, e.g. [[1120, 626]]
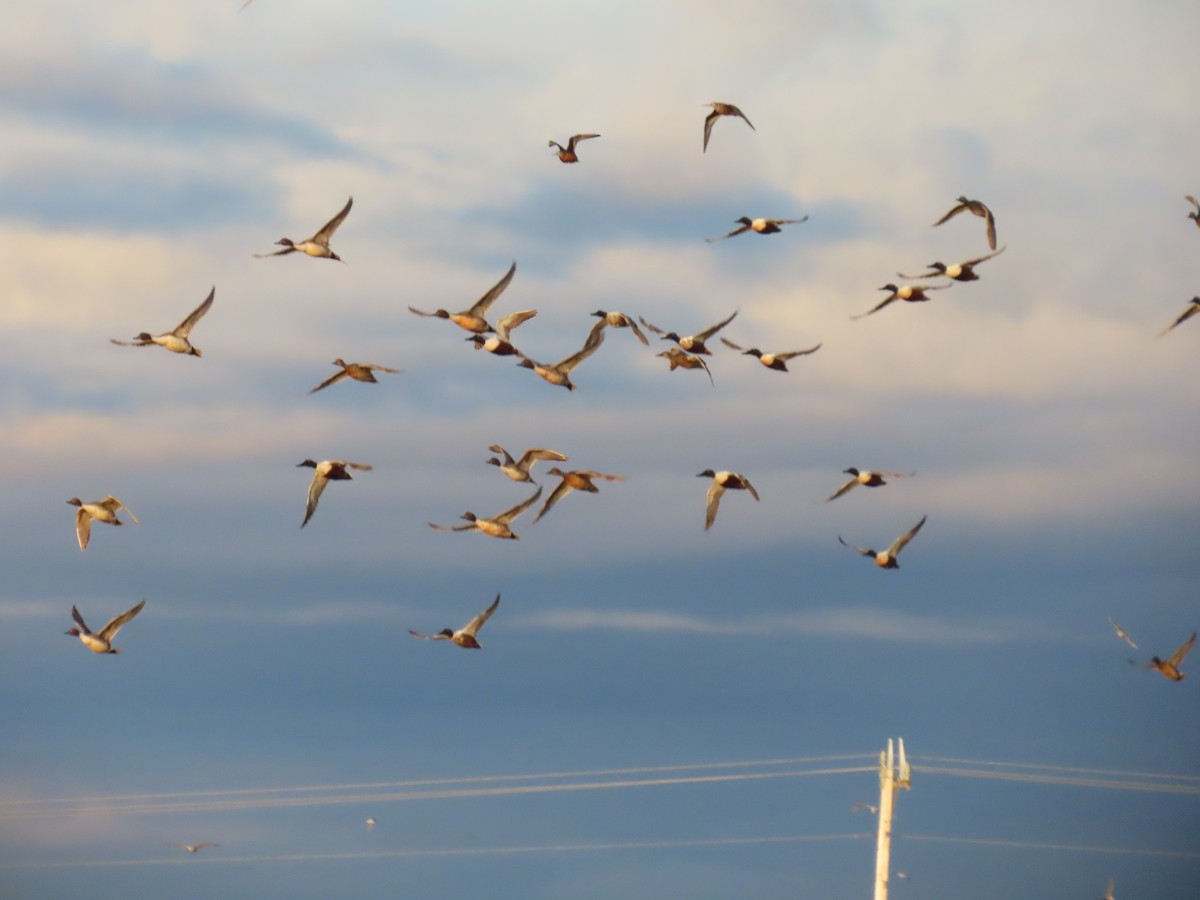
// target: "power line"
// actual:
[[1108, 784], [1054, 768], [1032, 845]]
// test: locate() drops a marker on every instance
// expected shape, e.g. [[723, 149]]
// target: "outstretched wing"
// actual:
[[594, 339], [79, 621], [708, 124], [710, 331], [712, 502], [1177, 657], [559, 492], [509, 515], [653, 328], [332, 379], [734, 233], [109, 631], [950, 215], [113, 505], [482, 304], [323, 236], [865, 551], [511, 321], [476, 623], [877, 307], [901, 542], [83, 527], [975, 262], [843, 489], [731, 345], [429, 637], [792, 354], [184, 328], [529, 456]]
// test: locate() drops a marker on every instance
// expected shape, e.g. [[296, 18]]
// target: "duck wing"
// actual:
[[559, 492], [511, 321], [1121, 633], [594, 339], [950, 215], [975, 262], [184, 328], [865, 551], [637, 331], [481, 305], [652, 328], [710, 331], [508, 460], [842, 490], [507, 517], [748, 486], [731, 345], [332, 379], [1176, 658], [1185, 315], [83, 527], [472, 627], [114, 506], [579, 137], [877, 307], [316, 487], [429, 637], [901, 542], [326, 233], [708, 124], [991, 226], [739, 230], [79, 621], [792, 354], [534, 453], [712, 503], [109, 631], [734, 111]]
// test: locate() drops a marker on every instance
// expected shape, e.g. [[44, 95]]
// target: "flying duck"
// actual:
[[370, 823], [887, 559], [776, 361], [518, 470], [318, 244], [1112, 886], [497, 526], [560, 372], [692, 343], [616, 319], [175, 340], [678, 359], [472, 319], [975, 207], [759, 226], [102, 511], [720, 482], [912, 293], [192, 848], [567, 154], [1191, 310], [324, 472], [867, 478], [1195, 215], [577, 480], [718, 110], [963, 271], [499, 342], [465, 636], [357, 371], [101, 641], [1121, 633], [1170, 666]]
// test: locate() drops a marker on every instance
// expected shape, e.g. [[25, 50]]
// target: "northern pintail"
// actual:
[[192, 848], [465, 636], [567, 154], [318, 244], [102, 511], [500, 343], [615, 319], [324, 472], [1121, 633], [518, 470], [357, 371], [758, 226], [472, 319], [887, 558], [776, 361], [963, 271], [560, 372], [175, 340], [101, 641], [867, 478], [498, 525], [1170, 666], [680, 360], [692, 343], [912, 293], [1195, 214], [718, 110], [977, 208], [578, 480], [1192, 309], [722, 481]]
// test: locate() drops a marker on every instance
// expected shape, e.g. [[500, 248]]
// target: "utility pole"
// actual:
[[891, 779]]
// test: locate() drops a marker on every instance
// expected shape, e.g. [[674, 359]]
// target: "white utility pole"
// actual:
[[891, 779]]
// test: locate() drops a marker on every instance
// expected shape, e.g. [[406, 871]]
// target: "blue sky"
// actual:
[[151, 149]]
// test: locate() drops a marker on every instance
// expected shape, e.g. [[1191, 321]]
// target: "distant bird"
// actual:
[[887, 559], [867, 478], [567, 154], [499, 342], [1108, 894], [324, 472], [975, 207], [616, 319], [472, 319], [759, 226], [244, 5], [370, 824], [912, 293], [577, 480], [776, 361], [519, 470], [1191, 310], [721, 481], [678, 359], [963, 271], [192, 848], [101, 641], [1194, 215], [692, 343], [718, 110], [559, 373], [175, 340], [1121, 633], [357, 371], [465, 636], [498, 526], [102, 511], [867, 806], [318, 244], [1170, 666]]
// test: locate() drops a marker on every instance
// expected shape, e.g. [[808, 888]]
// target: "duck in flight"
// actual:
[[963, 271], [578, 480], [472, 318], [519, 470], [318, 244], [867, 478], [498, 526], [500, 343], [465, 636], [692, 343], [1192, 309], [1121, 633], [887, 558], [1170, 666], [175, 340], [1195, 214], [912, 293], [101, 641], [193, 848], [758, 226], [615, 319], [776, 361], [324, 472], [722, 481], [357, 371], [560, 372], [718, 110], [977, 208], [102, 511], [567, 154]]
